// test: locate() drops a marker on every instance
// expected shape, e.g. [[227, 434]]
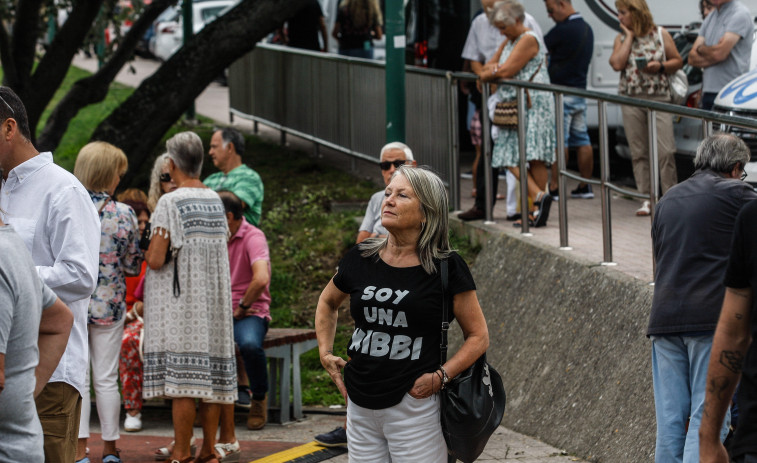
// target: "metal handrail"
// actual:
[[452, 80]]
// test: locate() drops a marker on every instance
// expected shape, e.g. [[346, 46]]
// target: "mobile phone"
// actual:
[[641, 63]]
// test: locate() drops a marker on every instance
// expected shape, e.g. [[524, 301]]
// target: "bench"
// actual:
[[283, 347]]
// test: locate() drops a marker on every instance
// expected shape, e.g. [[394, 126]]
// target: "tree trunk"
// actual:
[[140, 122], [37, 89], [93, 89]]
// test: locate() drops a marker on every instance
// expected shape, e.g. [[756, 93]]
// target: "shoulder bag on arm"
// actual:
[[473, 402]]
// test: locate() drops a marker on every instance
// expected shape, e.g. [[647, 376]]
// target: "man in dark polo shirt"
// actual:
[[691, 240], [571, 44]]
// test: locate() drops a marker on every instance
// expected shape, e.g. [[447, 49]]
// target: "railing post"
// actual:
[[523, 177], [561, 167], [454, 148], [654, 161], [706, 128], [486, 134], [605, 192]]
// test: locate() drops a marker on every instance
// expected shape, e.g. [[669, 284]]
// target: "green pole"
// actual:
[[395, 70], [188, 33]]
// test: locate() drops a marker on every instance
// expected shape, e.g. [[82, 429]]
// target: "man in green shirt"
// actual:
[[226, 150]]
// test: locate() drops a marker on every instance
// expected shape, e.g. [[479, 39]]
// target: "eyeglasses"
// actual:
[[743, 175], [6, 104], [165, 177], [386, 165]]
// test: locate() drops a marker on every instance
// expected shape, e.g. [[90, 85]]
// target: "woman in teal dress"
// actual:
[[521, 57]]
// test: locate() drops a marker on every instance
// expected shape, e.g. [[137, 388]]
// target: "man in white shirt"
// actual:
[[54, 215], [482, 42]]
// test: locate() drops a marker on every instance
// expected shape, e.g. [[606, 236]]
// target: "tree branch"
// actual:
[[54, 65], [162, 98], [93, 89]]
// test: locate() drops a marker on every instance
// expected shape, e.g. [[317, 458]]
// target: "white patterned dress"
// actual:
[[189, 340], [540, 119]]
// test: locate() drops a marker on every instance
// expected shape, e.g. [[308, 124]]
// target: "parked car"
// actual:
[[169, 34]]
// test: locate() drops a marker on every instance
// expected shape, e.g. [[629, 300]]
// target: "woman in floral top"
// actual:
[[99, 166], [645, 55]]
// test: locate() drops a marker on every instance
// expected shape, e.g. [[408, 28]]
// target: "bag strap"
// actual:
[[662, 42], [105, 203], [444, 272]]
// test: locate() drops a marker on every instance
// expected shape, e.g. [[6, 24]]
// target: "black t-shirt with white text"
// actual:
[[742, 273], [398, 314]]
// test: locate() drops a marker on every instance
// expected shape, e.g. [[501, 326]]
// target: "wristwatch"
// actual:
[[242, 306]]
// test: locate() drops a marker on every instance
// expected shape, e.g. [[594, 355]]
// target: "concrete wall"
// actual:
[[568, 338]]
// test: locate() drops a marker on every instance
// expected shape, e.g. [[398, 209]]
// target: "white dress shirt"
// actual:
[[55, 217], [484, 39]]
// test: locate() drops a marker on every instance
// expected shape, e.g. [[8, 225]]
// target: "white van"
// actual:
[[739, 98]]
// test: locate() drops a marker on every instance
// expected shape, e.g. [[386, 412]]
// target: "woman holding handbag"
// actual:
[[522, 57], [393, 375], [646, 55]]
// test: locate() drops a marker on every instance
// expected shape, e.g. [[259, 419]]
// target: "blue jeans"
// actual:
[[574, 120], [679, 373], [366, 53], [249, 334]]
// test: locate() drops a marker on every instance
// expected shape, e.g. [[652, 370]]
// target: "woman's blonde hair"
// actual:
[[98, 164], [433, 242], [156, 190], [642, 21], [362, 12]]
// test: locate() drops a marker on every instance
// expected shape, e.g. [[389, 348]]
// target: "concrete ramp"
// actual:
[[568, 338]]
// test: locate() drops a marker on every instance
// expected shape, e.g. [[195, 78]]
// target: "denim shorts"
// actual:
[[576, 132]]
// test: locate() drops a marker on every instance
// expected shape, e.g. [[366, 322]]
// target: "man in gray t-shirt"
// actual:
[[723, 48], [22, 325], [393, 155]]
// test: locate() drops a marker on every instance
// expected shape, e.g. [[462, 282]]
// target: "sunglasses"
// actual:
[[386, 165], [165, 177]]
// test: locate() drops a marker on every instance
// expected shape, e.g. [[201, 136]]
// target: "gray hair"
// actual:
[[395, 145], [233, 136], [433, 242], [186, 151], [506, 12], [155, 192], [720, 152]]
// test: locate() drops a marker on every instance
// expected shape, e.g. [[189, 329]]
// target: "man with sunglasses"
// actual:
[[226, 151], [393, 155], [53, 214], [691, 237]]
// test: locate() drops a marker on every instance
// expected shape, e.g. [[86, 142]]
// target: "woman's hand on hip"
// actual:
[[425, 386]]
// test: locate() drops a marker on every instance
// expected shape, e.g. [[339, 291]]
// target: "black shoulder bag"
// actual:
[[472, 403]]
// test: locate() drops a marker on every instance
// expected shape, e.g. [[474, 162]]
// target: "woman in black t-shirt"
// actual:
[[395, 291]]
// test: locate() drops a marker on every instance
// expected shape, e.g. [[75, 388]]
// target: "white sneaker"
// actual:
[[228, 453], [133, 423], [644, 210]]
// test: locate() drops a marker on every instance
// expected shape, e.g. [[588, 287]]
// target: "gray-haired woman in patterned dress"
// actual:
[[189, 351]]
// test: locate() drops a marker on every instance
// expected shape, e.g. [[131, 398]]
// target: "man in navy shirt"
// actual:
[[570, 44]]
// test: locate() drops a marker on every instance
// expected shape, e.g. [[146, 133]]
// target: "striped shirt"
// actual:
[[246, 184]]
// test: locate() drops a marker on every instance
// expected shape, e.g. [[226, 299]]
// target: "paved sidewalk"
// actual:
[[505, 445]]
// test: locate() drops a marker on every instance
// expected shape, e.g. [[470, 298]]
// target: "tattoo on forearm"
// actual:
[[717, 387], [732, 360]]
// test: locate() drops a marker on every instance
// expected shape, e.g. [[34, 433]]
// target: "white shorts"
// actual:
[[407, 432]]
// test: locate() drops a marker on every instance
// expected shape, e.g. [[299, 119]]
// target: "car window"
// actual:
[[209, 14]]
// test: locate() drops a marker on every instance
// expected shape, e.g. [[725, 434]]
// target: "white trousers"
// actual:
[[407, 432], [104, 349]]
